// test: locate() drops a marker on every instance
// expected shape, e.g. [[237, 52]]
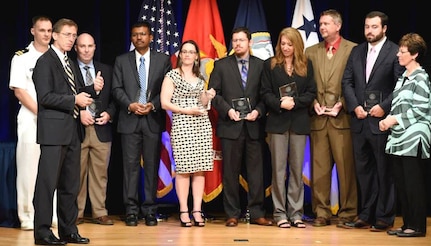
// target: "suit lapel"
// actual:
[[236, 72], [153, 58], [60, 67], [384, 51], [132, 60]]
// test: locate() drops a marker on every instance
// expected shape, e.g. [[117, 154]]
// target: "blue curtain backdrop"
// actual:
[[110, 21]]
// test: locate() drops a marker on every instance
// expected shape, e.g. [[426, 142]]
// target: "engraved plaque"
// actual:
[[372, 98], [289, 90], [242, 105]]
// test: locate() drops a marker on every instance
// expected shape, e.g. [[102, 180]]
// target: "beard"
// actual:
[[373, 39]]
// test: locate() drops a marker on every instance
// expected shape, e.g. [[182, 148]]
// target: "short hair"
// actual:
[[336, 16], [415, 45], [143, 24], [384, 19], [63, 22], [242, 29], [37, 18]]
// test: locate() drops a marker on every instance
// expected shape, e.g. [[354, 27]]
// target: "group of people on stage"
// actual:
[[366, 108]]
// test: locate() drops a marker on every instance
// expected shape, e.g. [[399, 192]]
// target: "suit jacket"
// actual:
[[226, 80], [125, 86], [383, 77], [56, 101], [281, 120], [328, 75], [105, 102]]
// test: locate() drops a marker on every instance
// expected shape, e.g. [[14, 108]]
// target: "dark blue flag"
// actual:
[[251, 15]]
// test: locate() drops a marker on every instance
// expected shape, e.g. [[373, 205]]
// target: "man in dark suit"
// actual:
[[368, 82], [96, 118], [141, 120], [241, 136], [59, 136]]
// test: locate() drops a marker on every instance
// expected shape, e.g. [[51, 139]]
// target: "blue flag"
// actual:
[[251, 15]]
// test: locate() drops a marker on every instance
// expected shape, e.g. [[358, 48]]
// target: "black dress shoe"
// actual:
[[359, 224], [150, 220], [411, 234], [49, 240], [75, 238], [380, 226], [131, 220]]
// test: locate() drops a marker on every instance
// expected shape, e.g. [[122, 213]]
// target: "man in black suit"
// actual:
[[368, 81], [241, 137], [141, 121], [96, 147], [59, 134]]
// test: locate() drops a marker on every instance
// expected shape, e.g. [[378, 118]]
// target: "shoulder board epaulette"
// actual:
[[20, 52]]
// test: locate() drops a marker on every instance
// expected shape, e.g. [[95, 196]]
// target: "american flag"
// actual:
[[160, 15], [166, 39]]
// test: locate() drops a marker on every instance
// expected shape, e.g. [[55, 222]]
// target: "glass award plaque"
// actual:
[[242, 105], [372, 98], [289, 90]]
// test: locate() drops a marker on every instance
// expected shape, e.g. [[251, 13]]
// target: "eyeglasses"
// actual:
[[403, 51], [135, 34], [239, 40], [69, 35], [190, 52]]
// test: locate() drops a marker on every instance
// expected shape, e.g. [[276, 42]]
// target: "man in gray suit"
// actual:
[[141, 120], [368, 81], [241, 137]]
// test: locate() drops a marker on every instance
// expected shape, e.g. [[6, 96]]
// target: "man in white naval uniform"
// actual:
[[27, 150]]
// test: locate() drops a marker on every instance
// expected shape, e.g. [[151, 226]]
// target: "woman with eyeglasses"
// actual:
[[409, 141], [184, 94]]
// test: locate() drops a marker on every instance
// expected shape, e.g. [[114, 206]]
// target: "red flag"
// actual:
[[203, 25]]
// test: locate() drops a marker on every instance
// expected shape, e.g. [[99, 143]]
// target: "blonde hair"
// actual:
[[299, 61]]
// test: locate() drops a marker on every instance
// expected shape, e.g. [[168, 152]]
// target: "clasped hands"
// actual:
[[141, 109], [87, 119], [330, 111], [234, 115]]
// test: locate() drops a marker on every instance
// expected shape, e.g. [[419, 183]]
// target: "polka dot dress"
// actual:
[[191, 135]]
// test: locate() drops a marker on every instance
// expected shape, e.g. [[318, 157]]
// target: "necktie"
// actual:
[[371, 59], [71, 80], [329, 53], [89, 81], [142, 81], [244, 72]]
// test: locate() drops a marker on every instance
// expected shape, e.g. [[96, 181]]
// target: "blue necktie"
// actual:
[[243, 73], [142, 80]]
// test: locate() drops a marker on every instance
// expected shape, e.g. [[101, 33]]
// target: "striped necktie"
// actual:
[[71, 80], [244, 72], [142, 81], [89, 81]]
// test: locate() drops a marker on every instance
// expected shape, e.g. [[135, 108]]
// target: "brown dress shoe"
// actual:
[[103, 220], [320, 221], [231, 222], [342, 221], [262, 221]]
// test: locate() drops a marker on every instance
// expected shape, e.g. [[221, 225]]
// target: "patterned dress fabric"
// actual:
[[191, 135]]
